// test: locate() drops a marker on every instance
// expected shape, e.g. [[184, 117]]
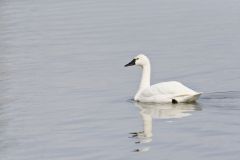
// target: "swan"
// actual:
[[164, 92]]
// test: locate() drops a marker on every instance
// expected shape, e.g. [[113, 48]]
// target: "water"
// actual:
[[64, 93]]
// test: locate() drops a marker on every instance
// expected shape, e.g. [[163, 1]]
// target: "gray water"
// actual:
[[65, 95]]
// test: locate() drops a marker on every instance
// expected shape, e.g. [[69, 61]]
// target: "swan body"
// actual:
[[164, 92], [167, 92]]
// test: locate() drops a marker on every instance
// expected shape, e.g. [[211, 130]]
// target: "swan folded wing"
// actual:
[[168, 88], [172, 87]]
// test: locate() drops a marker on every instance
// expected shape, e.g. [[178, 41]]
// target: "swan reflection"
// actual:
[[149, 111]]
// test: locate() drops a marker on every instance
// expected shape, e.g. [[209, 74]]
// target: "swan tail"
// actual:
[[188, 98]]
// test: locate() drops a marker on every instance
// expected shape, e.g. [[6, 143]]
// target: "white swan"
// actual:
[[165, 92]]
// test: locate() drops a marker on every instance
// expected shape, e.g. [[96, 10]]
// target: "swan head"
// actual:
[[139, 60]]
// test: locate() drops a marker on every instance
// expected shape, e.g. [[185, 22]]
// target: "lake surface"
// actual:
[[64, 93]]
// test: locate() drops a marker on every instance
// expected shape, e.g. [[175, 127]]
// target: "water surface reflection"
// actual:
[[150, 111]]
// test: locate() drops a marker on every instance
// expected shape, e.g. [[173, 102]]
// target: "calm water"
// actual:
[[64, 93]]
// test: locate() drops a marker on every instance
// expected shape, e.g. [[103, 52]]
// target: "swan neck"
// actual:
[[145, 81]]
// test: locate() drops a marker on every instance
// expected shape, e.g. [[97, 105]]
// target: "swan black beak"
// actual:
[[131, 63]]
